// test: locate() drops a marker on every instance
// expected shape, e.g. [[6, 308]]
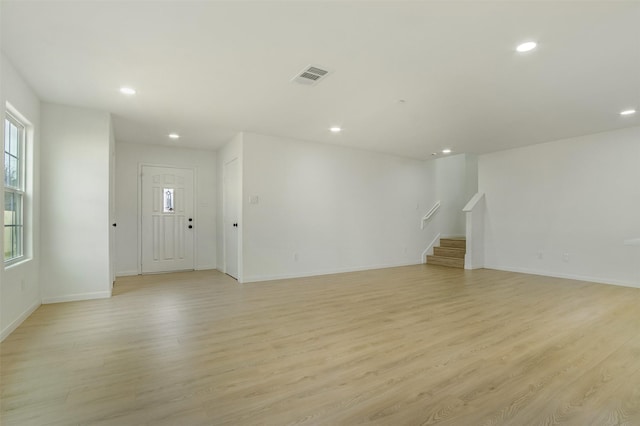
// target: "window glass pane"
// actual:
[[13, 230], [6, 169], [8, 243], [9, 209], [7, 132], [12, 171], [17, 241], [13, 140]]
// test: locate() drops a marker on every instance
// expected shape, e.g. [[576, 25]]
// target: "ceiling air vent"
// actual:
[[310, 75]]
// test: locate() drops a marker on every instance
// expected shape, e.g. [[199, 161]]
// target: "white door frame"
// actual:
[[195, 210], [240, 224]]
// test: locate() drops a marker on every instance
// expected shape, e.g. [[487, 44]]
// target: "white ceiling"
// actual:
[[210, 69]]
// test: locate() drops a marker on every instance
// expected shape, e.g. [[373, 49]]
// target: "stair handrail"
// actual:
[[472, 202], [430, 213]]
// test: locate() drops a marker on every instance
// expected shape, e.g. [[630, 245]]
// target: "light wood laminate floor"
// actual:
[[414, 345]]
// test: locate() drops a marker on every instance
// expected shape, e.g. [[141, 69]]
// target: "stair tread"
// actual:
[[454, 252], [460, 243], [451, 262]]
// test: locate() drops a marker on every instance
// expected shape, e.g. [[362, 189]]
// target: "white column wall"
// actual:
[[75, 204]]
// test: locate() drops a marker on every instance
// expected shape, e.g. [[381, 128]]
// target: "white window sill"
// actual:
[[16, 262]]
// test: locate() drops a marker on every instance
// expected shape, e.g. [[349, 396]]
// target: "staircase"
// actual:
[[450, 253]]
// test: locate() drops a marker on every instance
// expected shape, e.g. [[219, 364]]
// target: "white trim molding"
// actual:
[[126, 273], [77, 297], [327, 272], [574, 277], [16, 323]]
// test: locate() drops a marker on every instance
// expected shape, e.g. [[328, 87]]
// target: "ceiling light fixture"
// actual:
[[335, 129], [174, 136], [446, 151], [127, 91], [628, 112], [526, 47]]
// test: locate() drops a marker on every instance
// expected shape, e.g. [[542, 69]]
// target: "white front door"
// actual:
[[231, 202], [167, 219]]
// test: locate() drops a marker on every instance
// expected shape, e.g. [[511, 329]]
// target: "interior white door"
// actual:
[[167, 219], [231, 207], [112, 215]]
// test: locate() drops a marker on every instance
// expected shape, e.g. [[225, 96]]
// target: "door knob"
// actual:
[[190, 226], [190, 220]]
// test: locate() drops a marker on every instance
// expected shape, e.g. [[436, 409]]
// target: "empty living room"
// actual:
[[320, 213]]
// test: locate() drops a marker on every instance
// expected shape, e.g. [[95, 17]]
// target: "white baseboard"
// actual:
[[561, 275], [469, 266], [126, 273], [77, 297], [132, 273], [429, 249], [205, 267], [16, 323], [327, 272]]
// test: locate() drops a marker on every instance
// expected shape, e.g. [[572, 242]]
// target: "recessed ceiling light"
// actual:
[[335, 129], [127, 91], [628, 112], [446, 151], [525, 47], [174, 136]]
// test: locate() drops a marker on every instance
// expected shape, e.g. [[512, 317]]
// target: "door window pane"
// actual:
[[168, 205]]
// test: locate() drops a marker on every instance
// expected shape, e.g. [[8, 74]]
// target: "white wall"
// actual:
[[128, 159], [227, 153], [456, 182], [471, 175], [324, 208], [75, 203], [20, 284], [577, 196]]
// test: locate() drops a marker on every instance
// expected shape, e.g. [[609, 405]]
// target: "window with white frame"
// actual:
[[14, 188]]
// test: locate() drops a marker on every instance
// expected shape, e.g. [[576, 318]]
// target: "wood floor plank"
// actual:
[[412, 345]]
